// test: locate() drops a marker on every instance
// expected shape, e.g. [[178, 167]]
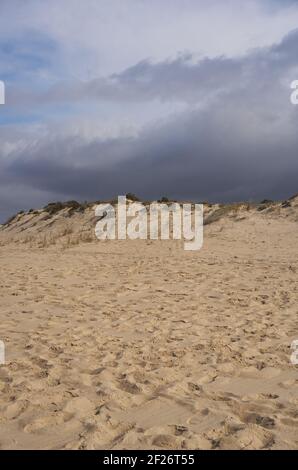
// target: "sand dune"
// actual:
[[139, 344]]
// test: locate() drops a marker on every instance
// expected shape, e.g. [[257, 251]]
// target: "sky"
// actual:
[[188, 99]]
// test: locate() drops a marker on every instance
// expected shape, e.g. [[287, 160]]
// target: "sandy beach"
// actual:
[[142, 345]]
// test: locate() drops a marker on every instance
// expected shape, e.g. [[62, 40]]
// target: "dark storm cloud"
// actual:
[[198, 155], [242, 145]]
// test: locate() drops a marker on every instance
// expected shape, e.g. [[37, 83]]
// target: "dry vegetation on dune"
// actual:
[[69, 223]]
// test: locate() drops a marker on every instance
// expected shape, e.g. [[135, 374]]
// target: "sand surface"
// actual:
[[139, 344]]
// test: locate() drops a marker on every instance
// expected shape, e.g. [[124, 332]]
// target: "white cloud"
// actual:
[[99, 38]]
